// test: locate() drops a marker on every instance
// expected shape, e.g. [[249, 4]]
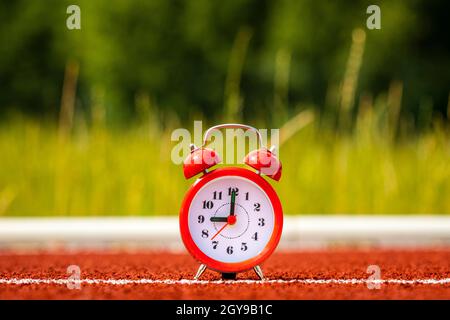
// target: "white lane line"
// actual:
[[121, 282]]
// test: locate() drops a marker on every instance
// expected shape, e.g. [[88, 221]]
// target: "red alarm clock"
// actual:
[[231, 218]]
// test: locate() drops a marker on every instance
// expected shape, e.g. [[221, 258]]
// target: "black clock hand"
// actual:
[[233, 204], [219, 219]]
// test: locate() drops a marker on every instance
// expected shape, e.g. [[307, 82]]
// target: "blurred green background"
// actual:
[[87, 115]]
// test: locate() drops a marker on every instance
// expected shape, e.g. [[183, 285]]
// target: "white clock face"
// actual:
[[231, 219]]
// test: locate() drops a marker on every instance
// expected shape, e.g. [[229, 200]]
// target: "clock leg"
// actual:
[[259, 272], [229, 276], [200, 271]]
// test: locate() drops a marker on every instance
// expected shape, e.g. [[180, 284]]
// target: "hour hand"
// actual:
[[219, 219]]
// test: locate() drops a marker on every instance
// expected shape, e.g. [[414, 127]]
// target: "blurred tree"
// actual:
[[178, 53]]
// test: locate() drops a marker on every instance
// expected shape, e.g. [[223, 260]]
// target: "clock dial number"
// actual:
[[244, 246], [230, 250], [261, 222], [231, 189], [255, 236], [201, 219], [205, 233], [257, 207], [208, 204], [215, 244], [217, 195], [246, 196]]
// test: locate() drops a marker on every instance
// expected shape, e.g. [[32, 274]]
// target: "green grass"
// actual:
[[97, 172], [358, 156]]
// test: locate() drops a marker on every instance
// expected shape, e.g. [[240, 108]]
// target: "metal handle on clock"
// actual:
[[232, 126]]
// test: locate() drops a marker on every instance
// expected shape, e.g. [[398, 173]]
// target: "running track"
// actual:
[[323, 274]]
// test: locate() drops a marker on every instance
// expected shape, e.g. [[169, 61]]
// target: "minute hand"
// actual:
[[233, 204]]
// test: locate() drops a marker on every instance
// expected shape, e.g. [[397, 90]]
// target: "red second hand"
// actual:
[[219, 231]]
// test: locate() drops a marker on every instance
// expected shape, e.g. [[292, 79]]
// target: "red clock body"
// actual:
[[231, 219]]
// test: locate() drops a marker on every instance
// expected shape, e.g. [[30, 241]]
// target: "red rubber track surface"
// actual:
[[325, 264]]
